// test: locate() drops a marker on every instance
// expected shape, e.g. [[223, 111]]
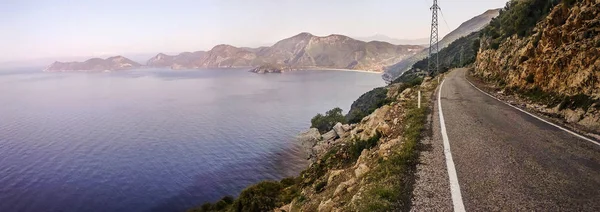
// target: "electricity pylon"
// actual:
[[433, 65]]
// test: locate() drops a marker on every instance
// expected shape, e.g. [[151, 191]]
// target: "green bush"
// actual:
[[223, 203], [577, 101], [326, 122], [357, 146], [366, 104], [476, 45], [320, 186], [530, 79], [518, 17], [263, 196]]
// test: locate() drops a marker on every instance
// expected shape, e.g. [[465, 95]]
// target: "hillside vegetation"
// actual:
[[549, 53], [459, 53], [473, 25]]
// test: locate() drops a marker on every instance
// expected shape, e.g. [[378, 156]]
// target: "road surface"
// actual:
[[506, 160]]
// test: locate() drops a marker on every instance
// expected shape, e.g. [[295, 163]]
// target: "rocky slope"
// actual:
[[555, 64], [301, 51], [366, 166], [473, 25], [95, 64]]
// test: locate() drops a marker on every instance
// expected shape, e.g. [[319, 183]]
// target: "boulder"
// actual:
[[339, 129], [326, 206], [573, 116], [346, 127], [334, 174], [330, 135], [344, 186], [308, 140], [384, 149], [310, 137], [363, 156], [285, 208], [361, 170]]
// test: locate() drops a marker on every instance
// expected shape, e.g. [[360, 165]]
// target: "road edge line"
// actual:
[[534, 116], [457, 201]]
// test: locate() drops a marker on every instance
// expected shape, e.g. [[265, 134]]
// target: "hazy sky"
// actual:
[[52, 28]]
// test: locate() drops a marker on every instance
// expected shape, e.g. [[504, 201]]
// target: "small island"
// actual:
[[270, 68]]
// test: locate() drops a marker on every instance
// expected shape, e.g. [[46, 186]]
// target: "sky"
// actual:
[[60, 28]]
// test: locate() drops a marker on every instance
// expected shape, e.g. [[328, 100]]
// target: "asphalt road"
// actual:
[[507, 160]]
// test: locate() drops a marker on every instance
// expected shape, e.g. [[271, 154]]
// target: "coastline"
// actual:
[[336, 69]]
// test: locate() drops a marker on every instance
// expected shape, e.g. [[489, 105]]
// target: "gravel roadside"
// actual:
[[432, 189]]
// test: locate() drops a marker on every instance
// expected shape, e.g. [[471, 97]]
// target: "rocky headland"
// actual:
[[265, 69], [116, 63]]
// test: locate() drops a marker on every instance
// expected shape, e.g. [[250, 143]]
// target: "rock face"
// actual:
[[473, 25], [301, 51], [308, 140], [95, 64], [265, 69], [561, 57]]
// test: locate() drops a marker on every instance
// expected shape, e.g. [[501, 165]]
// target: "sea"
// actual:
[[155, 139]]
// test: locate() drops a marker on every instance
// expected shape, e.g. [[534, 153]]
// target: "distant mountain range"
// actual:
[[395, 41], [473, 25], [298, 52], [95, 64], [301, 51]]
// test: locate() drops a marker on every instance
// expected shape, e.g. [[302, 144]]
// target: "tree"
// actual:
[[326, 122]]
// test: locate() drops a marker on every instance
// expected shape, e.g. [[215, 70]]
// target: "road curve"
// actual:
[[506, 160]]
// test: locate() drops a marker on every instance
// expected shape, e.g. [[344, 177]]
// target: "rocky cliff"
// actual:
[[94, 64], [554, 63], [473, 25], [301, 51]]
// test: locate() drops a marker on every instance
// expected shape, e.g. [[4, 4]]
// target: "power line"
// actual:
[[444, 18]]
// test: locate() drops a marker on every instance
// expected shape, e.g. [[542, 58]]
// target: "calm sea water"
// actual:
[[155, 140]]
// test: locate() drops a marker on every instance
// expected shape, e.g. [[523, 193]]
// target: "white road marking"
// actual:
[[534, 116], [454, 186]]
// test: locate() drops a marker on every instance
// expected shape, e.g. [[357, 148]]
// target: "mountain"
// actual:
[[301, 51], [95, 64], [475, 24], [385, 38]]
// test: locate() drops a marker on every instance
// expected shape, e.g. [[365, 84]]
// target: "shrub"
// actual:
[[530, 79], [326, 122], [495, 44], [357, 146], [223, 203], [577, 101], [518, 17], [285, 182], [320, 186], [476, 45], [263, 196], [366, 104]]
